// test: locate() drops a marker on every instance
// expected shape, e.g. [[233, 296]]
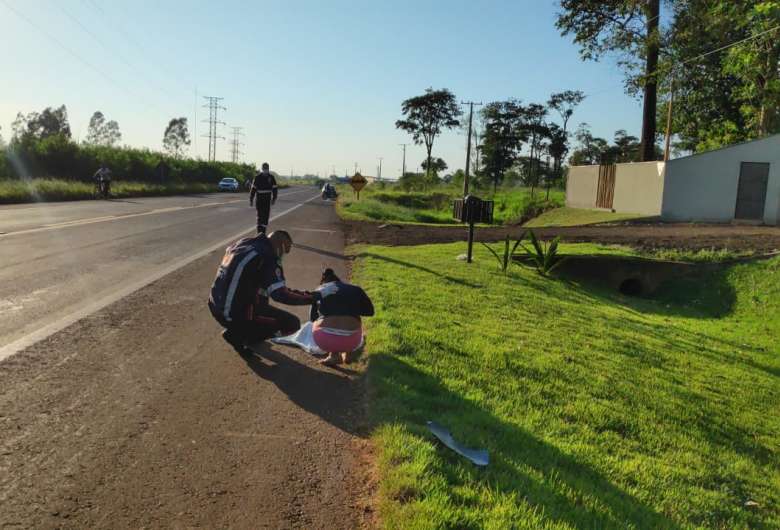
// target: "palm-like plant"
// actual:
[[544, 255], [506, 258]]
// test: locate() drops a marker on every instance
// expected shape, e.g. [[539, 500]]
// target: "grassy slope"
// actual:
[[598, 411], [390, 205], [577, 216]]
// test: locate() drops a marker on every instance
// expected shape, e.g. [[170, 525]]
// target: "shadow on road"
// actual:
[[332, 395]]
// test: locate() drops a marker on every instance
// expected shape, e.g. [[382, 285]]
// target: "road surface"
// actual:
[[133, 412]]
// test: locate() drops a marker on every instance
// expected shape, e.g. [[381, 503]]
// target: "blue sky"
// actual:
[[315, 84]]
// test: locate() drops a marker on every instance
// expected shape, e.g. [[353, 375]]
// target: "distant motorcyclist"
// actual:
[[102, 178], [264, 186]]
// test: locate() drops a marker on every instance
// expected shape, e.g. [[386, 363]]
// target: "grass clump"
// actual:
[[598, 410]]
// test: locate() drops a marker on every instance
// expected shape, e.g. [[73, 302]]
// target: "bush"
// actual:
[[58, 157]]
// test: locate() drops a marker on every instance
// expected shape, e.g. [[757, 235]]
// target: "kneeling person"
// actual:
[[336, 325], [249, 274]]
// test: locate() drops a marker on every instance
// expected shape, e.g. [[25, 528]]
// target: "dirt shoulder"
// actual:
[[684, 236], [141, 416]]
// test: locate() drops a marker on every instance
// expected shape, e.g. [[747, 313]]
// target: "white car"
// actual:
[[228, 184]]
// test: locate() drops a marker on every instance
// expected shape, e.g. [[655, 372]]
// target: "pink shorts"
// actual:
[[333, 340]]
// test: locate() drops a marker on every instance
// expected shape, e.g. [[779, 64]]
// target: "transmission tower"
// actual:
[[235, 144], [214, 107]]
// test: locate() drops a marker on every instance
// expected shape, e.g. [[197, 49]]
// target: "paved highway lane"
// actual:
[[61, 261]]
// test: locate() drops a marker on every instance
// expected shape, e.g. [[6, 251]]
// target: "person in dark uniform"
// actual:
[[264, 186], [250, 273]]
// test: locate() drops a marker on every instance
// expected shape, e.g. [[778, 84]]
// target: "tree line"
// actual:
[[42, 146], [719, 61]]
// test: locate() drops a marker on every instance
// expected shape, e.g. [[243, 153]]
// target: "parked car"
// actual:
[[228, 184], [329, 191]]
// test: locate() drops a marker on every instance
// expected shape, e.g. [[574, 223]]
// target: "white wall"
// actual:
[[639, 188], [581, 185], [703, 187]]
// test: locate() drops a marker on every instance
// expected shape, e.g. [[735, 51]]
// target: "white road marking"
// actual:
[[48, 330], [105, 218]]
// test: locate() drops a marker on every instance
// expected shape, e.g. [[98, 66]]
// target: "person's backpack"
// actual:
[[236, 280]]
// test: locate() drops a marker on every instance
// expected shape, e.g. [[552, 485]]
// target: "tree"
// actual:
[[591, 149], [425, 116], [101, 132], [176, 137], [537, 132], [564, 104], [630, 28], [625, 149], [37, 126], [437, 165], [503, 137]]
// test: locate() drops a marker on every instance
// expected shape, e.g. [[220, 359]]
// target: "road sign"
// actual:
[[358, 182]]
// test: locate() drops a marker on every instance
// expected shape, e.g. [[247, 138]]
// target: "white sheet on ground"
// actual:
[[304, 339]]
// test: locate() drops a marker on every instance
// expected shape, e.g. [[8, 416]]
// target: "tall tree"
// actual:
[[564, 104], [40, 125], [538, 130], [425, 116], [176, 137], [756, 63], [437, 165], [101, 132], [503, 137], [591, 149], [630, 28]]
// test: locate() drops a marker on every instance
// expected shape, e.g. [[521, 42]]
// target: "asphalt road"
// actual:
[[59, 261], [133, 412]]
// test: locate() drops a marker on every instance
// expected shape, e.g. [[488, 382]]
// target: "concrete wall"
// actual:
[[639, 188], [703, 187], [581, 186]]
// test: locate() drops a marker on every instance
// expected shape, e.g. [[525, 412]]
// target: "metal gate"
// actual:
[[751, 192], [606, 190]]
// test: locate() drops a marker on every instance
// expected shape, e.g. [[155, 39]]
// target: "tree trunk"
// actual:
[[647, 149]]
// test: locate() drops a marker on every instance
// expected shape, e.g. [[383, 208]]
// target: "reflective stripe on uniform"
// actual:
[[234, 283], [258, 192], [274, 287]]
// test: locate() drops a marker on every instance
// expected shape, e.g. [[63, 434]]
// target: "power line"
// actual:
[[235, 144], [113, 50], [214, 108], [76, 56]]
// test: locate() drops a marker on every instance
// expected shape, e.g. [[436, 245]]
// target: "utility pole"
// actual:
[[355, 167], [468, 146], [379, 176], [403, 165], [669, 118], [214, 107], [235, 144]]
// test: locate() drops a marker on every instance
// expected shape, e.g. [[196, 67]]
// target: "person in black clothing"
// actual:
[[337, 327], [249, 274], [264, 187]]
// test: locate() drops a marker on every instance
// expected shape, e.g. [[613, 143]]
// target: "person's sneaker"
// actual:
[[235, 342]]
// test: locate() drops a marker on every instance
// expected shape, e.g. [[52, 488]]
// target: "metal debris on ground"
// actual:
[[477, 456]]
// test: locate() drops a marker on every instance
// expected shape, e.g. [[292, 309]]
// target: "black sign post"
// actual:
[[472, 210]]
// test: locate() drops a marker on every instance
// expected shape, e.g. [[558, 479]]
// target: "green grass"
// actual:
[[599, 411], [435, 206], [566, 216], [37, 190]]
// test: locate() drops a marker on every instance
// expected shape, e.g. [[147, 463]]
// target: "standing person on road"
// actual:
[[249, 274], [264, 186]]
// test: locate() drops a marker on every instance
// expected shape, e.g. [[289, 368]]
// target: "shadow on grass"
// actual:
[[419, 268], [524, 468]]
